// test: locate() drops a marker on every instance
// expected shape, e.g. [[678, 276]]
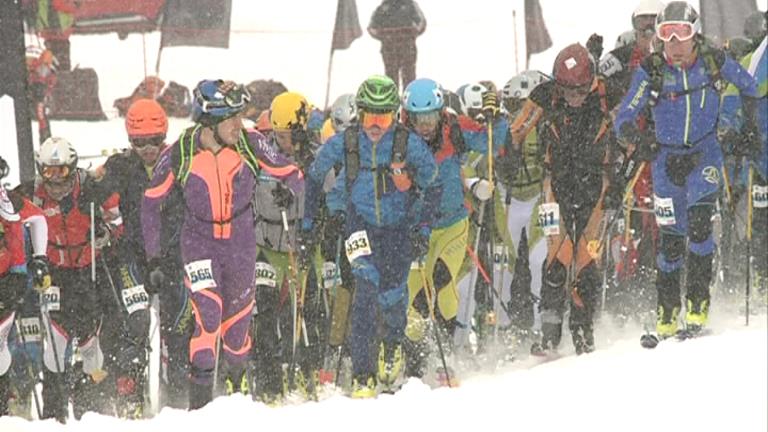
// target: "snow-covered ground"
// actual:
[[717, 383]]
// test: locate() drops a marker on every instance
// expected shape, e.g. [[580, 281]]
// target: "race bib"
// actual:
[[759, 196], [549, 218], [200, 275], [50, 299], [357, 245], [331, 275], [135, 298], [30, 329], [665, 211], [265, 275]]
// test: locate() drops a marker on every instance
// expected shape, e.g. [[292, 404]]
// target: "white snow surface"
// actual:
[[715, 383]]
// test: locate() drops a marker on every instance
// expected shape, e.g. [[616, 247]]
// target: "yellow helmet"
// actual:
[[289, 110]]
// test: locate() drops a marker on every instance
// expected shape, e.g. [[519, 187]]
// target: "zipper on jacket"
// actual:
[[221, 202], [374, 175], [687, 107]]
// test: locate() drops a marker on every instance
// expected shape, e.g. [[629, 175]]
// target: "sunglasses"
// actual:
[[682, 30], [431, 118], [235, 98], [380, 120], [153, 141], [55, 171]]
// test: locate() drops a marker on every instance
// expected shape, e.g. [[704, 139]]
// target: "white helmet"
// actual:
[[648, 7], [471, 97], [624, 39], [343, 112], [520, 86], [56, 151]]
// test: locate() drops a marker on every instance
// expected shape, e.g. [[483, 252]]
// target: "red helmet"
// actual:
[[145, 117], [573, 67]]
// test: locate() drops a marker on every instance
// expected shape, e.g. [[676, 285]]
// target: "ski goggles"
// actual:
[[682, 30], [427, 119], [235, 99], [49, 172], [645, 24], [380, 120], [152, 141]]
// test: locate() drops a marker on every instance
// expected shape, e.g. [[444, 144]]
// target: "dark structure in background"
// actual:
[[13, 71], [397, 24], [537, 38], [724, 19]]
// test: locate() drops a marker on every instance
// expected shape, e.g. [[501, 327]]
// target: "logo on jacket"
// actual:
[[711, 174]]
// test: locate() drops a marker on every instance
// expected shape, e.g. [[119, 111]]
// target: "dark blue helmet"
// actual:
[[211, 106]]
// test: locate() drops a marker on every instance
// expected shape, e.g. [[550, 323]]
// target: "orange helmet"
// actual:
[[145, 117]]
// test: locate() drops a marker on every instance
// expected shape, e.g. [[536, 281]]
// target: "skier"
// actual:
[[397, 24], [16, 211], [343, 113], [682, 84], [283, 158], [572, 115], [128, 174], [72, 307], [213, 164], [385, 168], [449, 138], [742, 130]]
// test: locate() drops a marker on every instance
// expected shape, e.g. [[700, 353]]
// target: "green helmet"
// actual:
[[378, 93]]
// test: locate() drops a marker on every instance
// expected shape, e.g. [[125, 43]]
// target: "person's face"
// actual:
[[58, 181], [284, 141], [375, 125], [229, 130], [679, 52], [575, 96], [148, 148], [645, 28], [425, 124]]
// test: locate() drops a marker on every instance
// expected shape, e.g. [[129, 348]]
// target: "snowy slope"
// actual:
[[715, 383]]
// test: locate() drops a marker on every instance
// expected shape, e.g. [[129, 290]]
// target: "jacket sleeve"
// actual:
[[329, 155], [160, 187], [476, 134], [420, 158], [634, 101], [735, 74], [38, 227]]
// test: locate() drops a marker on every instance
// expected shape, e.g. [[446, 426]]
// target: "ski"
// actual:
[[651, 340]]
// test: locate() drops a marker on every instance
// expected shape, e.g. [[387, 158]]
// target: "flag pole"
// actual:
[[514, 29], [328, 80]]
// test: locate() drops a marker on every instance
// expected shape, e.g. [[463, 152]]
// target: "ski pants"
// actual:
[[380, 290], [685, 189], [447, 250], [219, 276]]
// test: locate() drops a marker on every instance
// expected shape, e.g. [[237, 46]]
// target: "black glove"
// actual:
[[595, 47], [307, 240], [283, 196], [41, 275], [419, 237], [509, 165], [745, 144], [490, 104], [646, 147], [614, 195], [333, 229], [155, 277]]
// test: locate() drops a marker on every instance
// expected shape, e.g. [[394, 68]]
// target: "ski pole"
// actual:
[[468, 309], [428, 291], [748, 289]]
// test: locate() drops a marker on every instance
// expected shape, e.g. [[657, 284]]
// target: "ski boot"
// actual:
[[551, 333], [237, 382], [696, 316], [130, 398], [666, 322], [390, 363], [307, 382], [363, 387], [200, 388], [583, 338]]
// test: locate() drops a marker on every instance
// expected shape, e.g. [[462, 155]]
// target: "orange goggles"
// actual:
[[55, 171], [380, 120], [682, 30]]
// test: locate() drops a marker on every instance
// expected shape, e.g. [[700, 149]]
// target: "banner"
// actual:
[[196, 23], [536, 35], [347, 27]]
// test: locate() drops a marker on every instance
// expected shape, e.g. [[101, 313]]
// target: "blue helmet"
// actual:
[[423, 95], [211, 106]]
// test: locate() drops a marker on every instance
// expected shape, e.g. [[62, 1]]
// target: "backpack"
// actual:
[[352, 150], [181, 154], [713, 57]]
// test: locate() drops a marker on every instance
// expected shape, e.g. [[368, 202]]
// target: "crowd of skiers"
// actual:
[[275, 251]]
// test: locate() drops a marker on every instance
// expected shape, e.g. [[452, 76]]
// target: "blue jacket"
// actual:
[[682, 122], [380, 205]]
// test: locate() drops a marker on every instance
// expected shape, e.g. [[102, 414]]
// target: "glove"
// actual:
[[509, 165], [41, 275], [490, 104], [646, 147], [155, 277], [482, 189], [419, 238], [103, 235], [595, 47], [745, 144], [283, 196]]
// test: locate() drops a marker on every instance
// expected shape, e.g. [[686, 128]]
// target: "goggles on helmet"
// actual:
[[682, 30], [428, 118], [381, 120], [49, 172], [235, 98], [152, 141], [576, 91]]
